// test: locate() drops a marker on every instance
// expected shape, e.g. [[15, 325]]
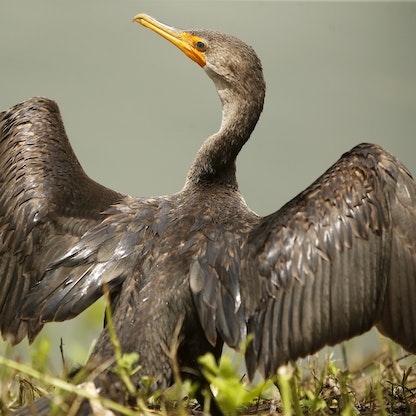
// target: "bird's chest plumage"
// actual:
[[211, 229]]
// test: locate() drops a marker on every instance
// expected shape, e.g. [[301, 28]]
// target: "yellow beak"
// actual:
[[184, 41]]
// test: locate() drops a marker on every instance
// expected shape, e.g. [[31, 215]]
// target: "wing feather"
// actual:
[[336, 260], [46, 202], [214, 283], [399, 314], [100, 260]]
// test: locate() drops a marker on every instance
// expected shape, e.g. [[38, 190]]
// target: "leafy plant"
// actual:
[[383, 386], [231, 394]]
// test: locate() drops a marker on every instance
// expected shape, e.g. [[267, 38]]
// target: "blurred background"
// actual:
[[136, 109]]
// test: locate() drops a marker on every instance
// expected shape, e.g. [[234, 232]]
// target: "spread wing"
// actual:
[[100, 260], [46, 203], [336, 260]]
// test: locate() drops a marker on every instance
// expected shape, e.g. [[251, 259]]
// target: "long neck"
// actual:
[[215, 160]]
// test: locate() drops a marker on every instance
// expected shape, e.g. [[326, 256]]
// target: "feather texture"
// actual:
[[199, 265]]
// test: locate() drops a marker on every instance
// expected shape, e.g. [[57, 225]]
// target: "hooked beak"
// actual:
[[183, 40]]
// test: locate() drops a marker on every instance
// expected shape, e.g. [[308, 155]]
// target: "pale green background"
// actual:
[[136, 109]]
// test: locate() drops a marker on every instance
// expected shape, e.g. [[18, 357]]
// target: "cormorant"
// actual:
[[199, 265]]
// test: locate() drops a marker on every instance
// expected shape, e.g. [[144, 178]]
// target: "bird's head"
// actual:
[[227, 60]]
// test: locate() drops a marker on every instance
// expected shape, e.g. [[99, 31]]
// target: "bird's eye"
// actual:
[[201, 46]]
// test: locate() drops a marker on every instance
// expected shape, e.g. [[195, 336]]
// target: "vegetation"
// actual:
[[385, 386]]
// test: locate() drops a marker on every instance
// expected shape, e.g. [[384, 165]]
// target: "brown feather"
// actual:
[[333, 262]]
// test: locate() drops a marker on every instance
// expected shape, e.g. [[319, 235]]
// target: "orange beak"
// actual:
[[186, 42]]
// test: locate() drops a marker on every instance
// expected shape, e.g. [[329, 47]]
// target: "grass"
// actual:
[[385, 386]]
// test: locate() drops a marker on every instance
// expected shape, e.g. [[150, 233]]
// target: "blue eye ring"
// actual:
[[200, 45]]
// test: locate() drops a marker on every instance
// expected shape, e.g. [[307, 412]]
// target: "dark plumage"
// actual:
[[333, 262]]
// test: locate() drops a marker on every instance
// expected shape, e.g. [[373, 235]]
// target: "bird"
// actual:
[[199, 269]]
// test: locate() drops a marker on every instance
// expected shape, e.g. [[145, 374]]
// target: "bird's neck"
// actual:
[[215, 161]]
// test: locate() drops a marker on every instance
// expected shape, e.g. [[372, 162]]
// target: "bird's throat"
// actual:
[[215, 161]]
